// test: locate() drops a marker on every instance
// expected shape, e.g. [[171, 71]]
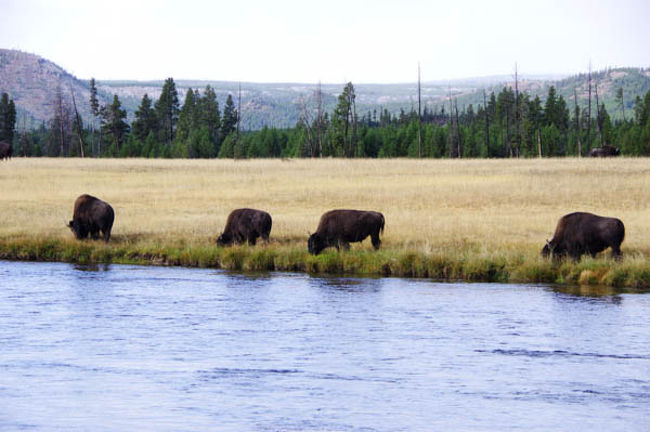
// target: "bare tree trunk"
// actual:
[[451, 126], [460, 145], [598, 119], [419, 116], [77, 118], [236, 146], [577, 115], [487, 124], [319, 119], [517, 137], [589, 112], [539, 143]]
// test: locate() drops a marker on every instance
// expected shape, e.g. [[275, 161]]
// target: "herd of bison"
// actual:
[[576, 234]]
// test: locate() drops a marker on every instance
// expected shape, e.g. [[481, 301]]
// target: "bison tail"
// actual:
[[381, 228]]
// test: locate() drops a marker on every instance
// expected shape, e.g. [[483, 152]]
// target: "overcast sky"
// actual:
[[333, 41]]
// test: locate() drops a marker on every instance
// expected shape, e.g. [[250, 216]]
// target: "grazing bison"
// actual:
[[339, 228], [5, 150], [604, 151], [246, 225], [581, 233], [92, 215]]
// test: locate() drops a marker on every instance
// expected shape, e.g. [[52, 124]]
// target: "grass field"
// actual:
[[465, 219]]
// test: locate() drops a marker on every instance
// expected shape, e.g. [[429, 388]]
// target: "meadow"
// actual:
[[481, 220]]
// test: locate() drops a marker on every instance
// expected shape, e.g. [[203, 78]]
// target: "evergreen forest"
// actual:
[[507, 124]]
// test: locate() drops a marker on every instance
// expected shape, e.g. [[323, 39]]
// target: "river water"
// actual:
[[149, 348]]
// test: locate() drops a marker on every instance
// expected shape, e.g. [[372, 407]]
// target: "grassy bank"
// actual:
[[457, 265], [479, 220]]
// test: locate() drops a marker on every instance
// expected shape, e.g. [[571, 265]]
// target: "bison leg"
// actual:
[[107, 235], [252, 239], [616, 252], [376, 242]]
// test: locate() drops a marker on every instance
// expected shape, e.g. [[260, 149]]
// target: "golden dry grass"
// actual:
[[429, 205]]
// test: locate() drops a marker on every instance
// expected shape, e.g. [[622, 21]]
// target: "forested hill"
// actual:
[[32, 82]]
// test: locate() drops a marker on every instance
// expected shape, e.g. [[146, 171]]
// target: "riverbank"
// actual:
[[470, 264], [445, 219]]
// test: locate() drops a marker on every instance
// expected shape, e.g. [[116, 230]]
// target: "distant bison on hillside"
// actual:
[[5, 150], [90, 216], [339, 228], [582, 233], [246, 225], [604, 151]]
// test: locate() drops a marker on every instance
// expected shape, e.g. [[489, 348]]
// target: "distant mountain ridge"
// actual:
[[32, 82]]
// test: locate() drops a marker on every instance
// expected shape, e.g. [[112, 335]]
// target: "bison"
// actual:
[[90, 216], [582, 233], [604, 151], [338, 228], [5, 150], [246, 225]]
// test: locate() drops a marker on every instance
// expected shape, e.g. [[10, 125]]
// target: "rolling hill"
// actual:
[[32, 82]]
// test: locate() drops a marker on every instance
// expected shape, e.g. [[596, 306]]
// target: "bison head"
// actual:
[[224, 239], [315, 244], [80, 231], [547, 249]]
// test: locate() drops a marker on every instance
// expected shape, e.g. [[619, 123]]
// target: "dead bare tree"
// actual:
[[419, 115], [459, 141], [305, 120], [236, 147], [589, 111], [599, 120], [487, 124], [450, 125], [78, 125], [577, 116], [319, 119], [517, 113]]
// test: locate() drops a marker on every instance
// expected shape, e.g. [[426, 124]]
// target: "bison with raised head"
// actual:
[[246, 225], [604, 151], [582, 233], [339, 228], [5, 150], [92, 215]]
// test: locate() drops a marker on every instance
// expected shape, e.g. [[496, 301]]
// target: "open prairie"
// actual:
[[452, 207]]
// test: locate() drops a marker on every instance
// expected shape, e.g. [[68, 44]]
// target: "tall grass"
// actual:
[[445, 219]]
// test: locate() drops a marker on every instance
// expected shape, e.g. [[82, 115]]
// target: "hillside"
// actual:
[[32, 82]]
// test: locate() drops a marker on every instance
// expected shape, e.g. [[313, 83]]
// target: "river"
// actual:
[[120, 348]]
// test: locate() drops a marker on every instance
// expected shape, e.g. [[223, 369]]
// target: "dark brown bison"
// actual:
[[5, 150], [90, 216], [338, 228], [604, 151], [582, 233], [246, 225]]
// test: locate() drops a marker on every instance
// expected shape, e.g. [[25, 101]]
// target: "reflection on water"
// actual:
[[128, 348]]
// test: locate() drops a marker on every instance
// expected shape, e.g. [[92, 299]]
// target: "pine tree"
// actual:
[[146, 120], [114, 124], [229, 119], [167, 110], [187, 117], [7, 118], [344, 123], [210, 117]]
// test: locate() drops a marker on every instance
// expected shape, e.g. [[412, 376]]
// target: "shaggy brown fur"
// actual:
[[246, 225], [90, 216], [582, 233], [338, 228]]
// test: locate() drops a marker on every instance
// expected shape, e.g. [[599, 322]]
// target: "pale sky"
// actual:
[[332, 41]]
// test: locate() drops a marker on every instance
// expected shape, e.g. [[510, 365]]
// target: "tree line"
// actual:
[[508, 124]]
